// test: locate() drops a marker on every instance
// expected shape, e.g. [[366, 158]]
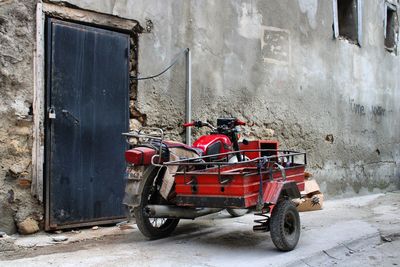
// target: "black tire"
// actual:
[[285, 225], [237, 212], [153, 228]]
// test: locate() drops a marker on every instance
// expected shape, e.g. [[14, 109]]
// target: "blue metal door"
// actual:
[[87, 76]]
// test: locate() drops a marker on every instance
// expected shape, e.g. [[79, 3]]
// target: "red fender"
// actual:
[[140, 155], [275, 189]]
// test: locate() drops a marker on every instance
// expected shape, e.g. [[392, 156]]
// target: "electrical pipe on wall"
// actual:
[[188, 102], [188, 93]]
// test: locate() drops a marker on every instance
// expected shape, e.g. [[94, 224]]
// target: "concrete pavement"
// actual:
[[347, 232]]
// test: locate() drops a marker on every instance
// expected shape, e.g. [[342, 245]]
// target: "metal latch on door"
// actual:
[[67, 113]]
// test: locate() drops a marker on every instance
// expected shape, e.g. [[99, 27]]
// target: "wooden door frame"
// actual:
[[44, 10]]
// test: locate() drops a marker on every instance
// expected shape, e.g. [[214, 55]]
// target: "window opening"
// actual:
[[347, 20], [391, 28]]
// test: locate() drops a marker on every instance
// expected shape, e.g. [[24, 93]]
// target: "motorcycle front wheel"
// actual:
[[237, 212], [153, 228]]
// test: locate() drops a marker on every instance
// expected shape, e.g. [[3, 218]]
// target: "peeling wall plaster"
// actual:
[[250, 21], [310, 7], [303, 100]]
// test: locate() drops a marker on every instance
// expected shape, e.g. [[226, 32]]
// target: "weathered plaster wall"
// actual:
[[276, 63], [17, 38], [21, 188]]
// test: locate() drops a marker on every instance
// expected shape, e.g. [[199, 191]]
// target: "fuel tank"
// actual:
[[213, 144]]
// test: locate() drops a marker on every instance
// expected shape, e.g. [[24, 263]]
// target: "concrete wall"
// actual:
[[274, 63]]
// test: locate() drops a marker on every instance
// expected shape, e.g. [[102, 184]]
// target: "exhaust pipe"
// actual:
[[175, 212]]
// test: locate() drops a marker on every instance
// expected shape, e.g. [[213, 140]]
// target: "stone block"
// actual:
[[28, 226]]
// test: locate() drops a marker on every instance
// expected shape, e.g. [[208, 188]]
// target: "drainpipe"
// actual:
[[188, 102]]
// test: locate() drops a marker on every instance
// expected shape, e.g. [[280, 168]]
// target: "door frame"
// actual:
[[79, 16]]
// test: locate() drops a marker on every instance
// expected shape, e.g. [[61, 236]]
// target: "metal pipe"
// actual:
[[188, 102], [166, 211]]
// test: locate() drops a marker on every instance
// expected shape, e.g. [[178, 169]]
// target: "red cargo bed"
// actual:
[[235, 185]]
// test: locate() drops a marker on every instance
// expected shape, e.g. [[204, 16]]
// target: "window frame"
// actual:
[[336, 30], [392, 7]]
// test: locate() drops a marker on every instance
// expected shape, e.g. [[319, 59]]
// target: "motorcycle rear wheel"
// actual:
[[153, 228]]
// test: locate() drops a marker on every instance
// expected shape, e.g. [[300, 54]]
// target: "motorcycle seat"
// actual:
[[173, 144]]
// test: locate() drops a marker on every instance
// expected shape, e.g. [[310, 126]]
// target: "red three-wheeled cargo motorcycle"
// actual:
[[168, 181]]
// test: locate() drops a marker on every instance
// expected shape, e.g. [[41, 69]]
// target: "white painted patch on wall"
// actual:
[[310, 7], [275, 45], [19, 106], [250, 21]]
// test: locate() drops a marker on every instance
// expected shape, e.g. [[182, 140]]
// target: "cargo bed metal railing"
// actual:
[[259, 162], [196, 161]]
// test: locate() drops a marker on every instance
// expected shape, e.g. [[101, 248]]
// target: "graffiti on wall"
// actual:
[[378, 110], [362, 110], [357, 108]]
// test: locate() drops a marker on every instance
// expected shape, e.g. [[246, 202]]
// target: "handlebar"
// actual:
[[188, 124], [239, 122], [201, 124], [198, 124]]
